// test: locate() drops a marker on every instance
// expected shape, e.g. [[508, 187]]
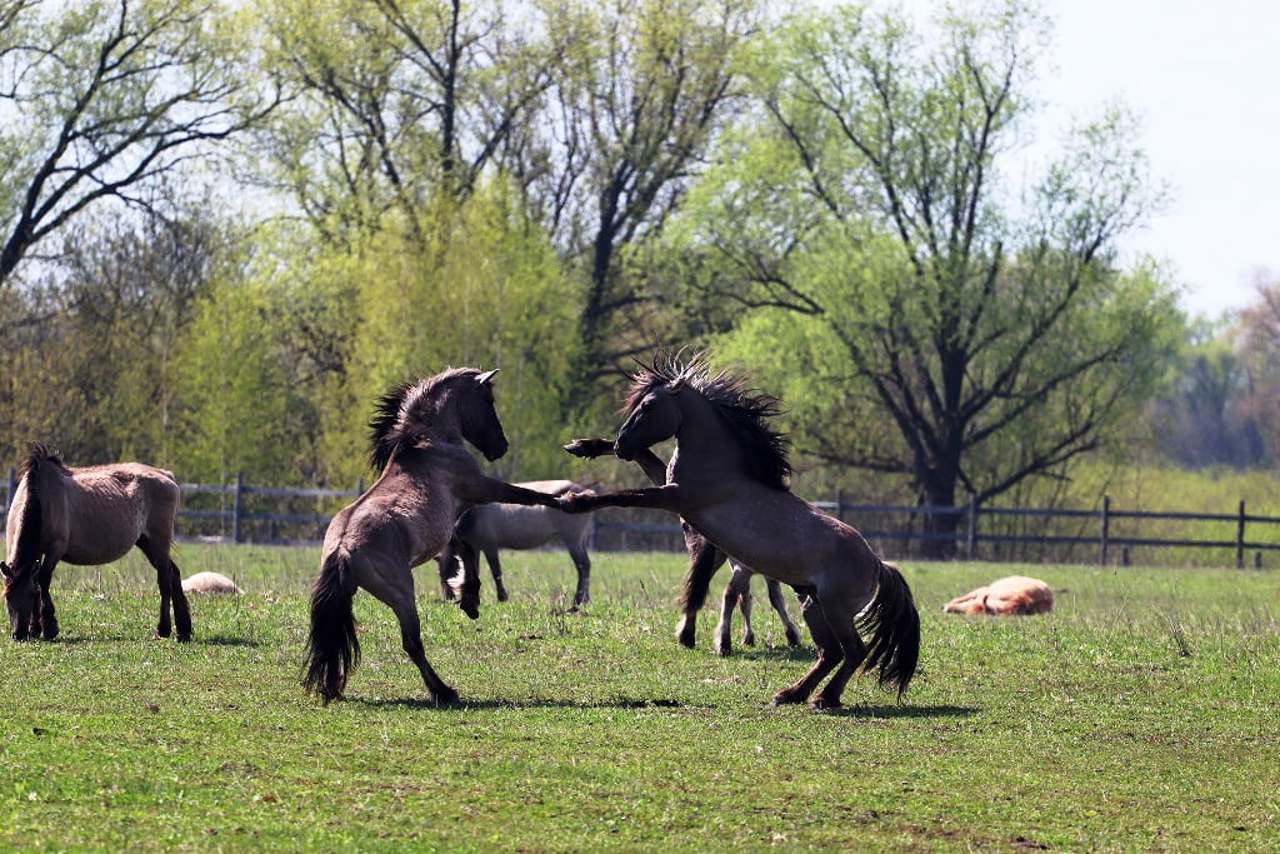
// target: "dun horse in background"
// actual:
[[704, 560], [728, 478], [489, 527], [87, 516], [406, 518]]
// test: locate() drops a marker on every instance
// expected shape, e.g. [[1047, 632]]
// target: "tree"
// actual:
[[641, 91], [102, 99], [869, 201], [398, 102]]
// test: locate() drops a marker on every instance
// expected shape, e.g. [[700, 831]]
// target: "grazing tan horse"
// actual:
[[87, 516], [728, 479], [406, 518], [704, 560], [489, 527]]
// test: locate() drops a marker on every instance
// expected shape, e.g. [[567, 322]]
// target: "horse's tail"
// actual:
[[894, 625], [333, 649]]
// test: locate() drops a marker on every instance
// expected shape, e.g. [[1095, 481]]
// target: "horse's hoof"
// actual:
[[163, 632], [748, 640], [445, 697], [824, 704], [471, 609], [787, 697], [685, 637], [793, 640], [184, 638], [723, 650], [502, 596], [50, 632]]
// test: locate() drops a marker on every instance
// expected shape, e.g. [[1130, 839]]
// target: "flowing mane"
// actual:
[[746, 410], [403, 411], [27, 547]]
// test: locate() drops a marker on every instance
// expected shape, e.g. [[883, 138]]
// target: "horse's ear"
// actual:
[[487, 377]]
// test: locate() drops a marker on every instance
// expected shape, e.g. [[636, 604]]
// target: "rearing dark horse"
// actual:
[[728, 478]]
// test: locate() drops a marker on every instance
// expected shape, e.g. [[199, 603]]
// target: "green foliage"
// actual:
[[1139, 714]]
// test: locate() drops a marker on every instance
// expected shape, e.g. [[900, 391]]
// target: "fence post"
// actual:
[[971, 536], [359, 486], [1240, 538], [1106, 529], [11, 487], [1257, 560], [236, 507], [840, 504]]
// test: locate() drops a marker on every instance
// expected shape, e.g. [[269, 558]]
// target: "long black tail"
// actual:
[[26, 549], [894, 625], [333, 649]]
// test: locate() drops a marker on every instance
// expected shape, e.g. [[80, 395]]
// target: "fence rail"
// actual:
[[239, 515]]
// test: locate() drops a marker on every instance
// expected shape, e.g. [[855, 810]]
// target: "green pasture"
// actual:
[[1144, 713]]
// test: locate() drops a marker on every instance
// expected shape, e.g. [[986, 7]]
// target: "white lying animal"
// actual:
[[209, 582]]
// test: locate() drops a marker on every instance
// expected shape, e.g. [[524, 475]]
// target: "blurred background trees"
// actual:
[[227, 227]]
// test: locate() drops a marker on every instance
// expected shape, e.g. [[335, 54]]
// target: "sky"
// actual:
[[1204, 78]]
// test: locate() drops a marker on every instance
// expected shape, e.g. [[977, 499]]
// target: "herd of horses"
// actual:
[[727, 480]]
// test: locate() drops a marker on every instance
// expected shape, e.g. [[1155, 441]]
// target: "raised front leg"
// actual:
[[668, 497], [649, 462], [488, 490], [467, 584]]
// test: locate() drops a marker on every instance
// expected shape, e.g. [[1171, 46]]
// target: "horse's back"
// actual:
[[110, 507]]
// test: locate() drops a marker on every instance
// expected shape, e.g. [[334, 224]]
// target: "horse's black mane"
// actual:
[[38, 453], [402, 411], [746, 409], [27, 548]]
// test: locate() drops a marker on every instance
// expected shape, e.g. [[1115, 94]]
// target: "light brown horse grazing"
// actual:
[[489, 527], [406, 518], [728, 478], [704, 560], [87, 516]]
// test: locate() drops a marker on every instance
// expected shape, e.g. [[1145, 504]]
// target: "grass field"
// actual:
[[1143, 714]]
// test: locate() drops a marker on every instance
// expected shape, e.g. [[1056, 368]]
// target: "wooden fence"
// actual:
[[238, 512]]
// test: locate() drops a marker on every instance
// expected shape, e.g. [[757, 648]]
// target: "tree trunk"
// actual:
[[939, 541]]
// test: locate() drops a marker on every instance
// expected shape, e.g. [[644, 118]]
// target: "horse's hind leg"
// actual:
[[829, 654], [582, 563], [169, 581], [495, 569], [780, 605], [840, 619]]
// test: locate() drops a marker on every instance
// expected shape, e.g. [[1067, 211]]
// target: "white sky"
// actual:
[[1204, 78]]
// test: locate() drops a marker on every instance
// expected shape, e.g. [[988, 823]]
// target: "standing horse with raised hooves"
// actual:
[[728, 478], [406, 518], [87, 516], [704, 560]]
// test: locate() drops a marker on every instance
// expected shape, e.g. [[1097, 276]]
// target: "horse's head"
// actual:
[[654, 417], [21, 596], [479, 417]]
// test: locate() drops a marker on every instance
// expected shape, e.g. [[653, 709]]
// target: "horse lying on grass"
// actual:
[[489, 527], [87, 517], [704, 560], [1015, 594], [406, 518], [728, 478]]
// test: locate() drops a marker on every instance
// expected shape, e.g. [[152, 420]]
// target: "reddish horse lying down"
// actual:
[[1016, 594]]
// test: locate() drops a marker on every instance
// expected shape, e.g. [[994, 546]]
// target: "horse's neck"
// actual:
[[704, 441]]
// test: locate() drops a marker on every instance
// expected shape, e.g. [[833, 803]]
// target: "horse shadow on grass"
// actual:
[[215, 640], [775, 653], [469, 705], [886, 710]]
